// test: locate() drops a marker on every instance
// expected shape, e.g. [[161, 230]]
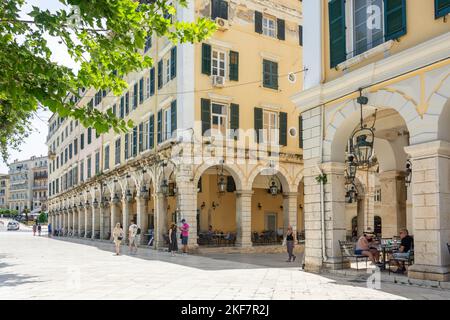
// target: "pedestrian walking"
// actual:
[[173, 240], [133, 232], [184, 235], [49, 228], [290, 244], [34, 229], [39, 227], [118, 237]]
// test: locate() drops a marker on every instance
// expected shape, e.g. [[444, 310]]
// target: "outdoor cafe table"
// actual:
[[386, 249]]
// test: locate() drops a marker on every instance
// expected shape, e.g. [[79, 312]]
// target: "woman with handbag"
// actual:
[[173, 240], [118, 237], [290, 244]]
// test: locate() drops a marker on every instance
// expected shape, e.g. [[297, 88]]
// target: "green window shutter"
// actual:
[[283, 129], [441, 8], [135, 95], [122, 107], [126, 146], [173, 62], [300, 131], [224, 9], [141, 137], [206, 115], [151, 131], [338, 52], [281, 26], [141, 90], [160, 74], [394, 19], [173, 116], [258, 118], [215, 9], [300, 35], [135, 141], [234, 119], [127, 103], [234, 65], [159, 129], [152, 81], [258, 22], [270, 74], [206, 59]]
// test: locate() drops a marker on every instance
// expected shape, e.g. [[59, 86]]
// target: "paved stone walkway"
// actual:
[[45, 268]]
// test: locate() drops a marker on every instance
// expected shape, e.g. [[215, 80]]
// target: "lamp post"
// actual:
[[408, 177], [273, 188]]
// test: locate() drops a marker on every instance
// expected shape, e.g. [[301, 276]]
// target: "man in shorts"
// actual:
[[132, 235], [184, 235]]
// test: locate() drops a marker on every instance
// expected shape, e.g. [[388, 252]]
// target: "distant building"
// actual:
[[28, 185], [4, 191]]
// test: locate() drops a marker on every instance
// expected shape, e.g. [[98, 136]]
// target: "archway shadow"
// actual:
[[9, 279], [207, 262]]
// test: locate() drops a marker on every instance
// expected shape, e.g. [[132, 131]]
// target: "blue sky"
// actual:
[[35, 143]]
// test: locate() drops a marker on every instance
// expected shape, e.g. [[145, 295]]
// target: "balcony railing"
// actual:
[[40, 187]]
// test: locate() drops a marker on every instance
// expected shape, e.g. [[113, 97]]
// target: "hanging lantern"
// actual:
[[129, 196], [350, 171], [351, 195], [164, 187], [361, 143], [408, 177], [273, 188], [95, 203], [144, 192], [116, 198], [221, 185]]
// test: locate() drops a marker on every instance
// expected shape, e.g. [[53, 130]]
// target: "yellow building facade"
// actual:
[[382, 65], [193, 152]]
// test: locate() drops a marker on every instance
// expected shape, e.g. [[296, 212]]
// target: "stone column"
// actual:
[[114, 217], [101, 220], [64, 222], [69, 220], [74, 220], [81, 220], [187, 205], [142, 217], [126, 217], [431, 210], [160, 220], [105, 221], [393, 202], [244, 218], [87, 220], [290, 208]]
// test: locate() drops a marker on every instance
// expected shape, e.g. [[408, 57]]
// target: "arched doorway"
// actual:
[[378, 227]]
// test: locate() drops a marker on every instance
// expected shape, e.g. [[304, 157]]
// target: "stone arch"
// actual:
[[235, 172], [281, 173], [344, 118]]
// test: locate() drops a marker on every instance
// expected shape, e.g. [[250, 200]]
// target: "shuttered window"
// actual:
[[151, 131], [283, 129], [159, 127], [336, 10], [152, 81], [173, 117], [441, 8], [219, 9], [106, 164], [141, 90], [394, 19], [234, 120], [141, 137], [206, 59], [270, 74], [234, 65], [173, 62], [258, 121], [205, 115], [300, 132], [160, 74], [258, 22], [135, 95], [135, 141], [281, 29], [117, 151]]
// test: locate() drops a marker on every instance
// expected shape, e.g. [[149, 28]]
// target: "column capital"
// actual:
[[290, 194], [244, 193], [333, 167], [428, 149]]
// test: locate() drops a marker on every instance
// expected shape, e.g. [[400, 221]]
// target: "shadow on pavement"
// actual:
[[213, 261], [12, 279]]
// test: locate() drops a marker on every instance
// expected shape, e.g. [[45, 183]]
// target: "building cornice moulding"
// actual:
[[408, 60]]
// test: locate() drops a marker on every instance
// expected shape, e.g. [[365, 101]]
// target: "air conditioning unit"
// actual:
[[222, 24], [218, 81]]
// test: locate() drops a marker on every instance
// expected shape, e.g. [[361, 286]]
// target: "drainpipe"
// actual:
[[322, 195]]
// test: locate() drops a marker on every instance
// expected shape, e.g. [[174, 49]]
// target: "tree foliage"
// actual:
[[105, 37]]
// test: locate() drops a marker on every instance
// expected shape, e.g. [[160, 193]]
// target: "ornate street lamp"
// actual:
[[408, 177], [350, 171], [115, 198], [164, 187], [273, 188], [351, 194], [95, 203], [144, 192], [361, 142], [129, 196], [221, 184]]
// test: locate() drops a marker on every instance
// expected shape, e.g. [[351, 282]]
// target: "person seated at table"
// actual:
[[364, 246], [406, 244]]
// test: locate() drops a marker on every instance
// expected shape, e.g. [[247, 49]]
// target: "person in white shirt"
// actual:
[[132, 235]]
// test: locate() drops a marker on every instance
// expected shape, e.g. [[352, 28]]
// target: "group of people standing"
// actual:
[[37, 227], [134, 231]]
